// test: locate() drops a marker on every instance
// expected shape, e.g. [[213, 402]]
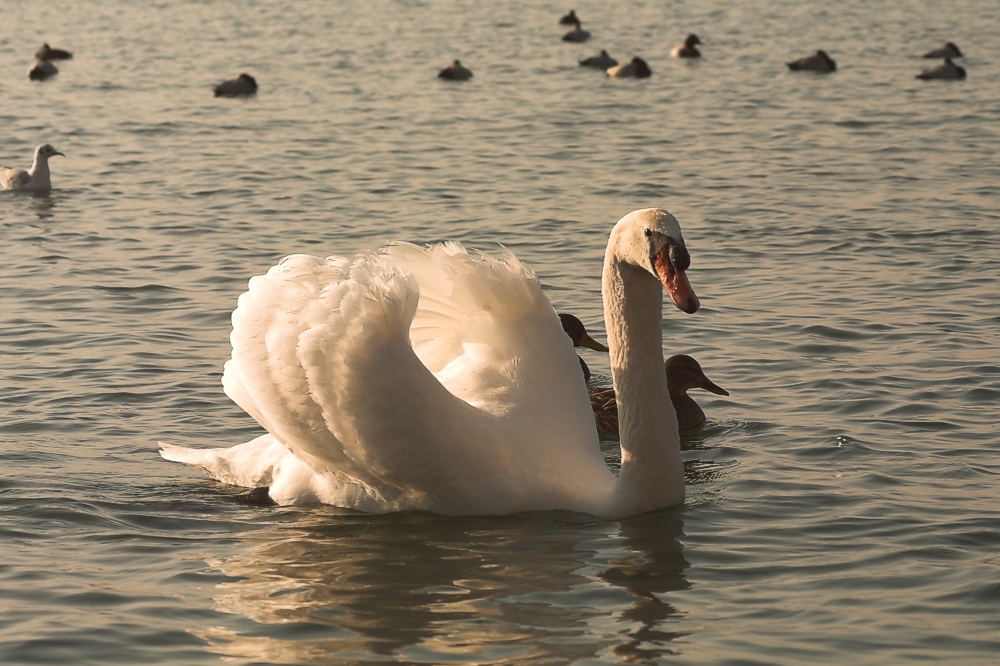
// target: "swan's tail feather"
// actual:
[[250, 465]]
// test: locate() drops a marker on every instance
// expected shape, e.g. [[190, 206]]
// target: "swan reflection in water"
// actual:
[[322, 586]]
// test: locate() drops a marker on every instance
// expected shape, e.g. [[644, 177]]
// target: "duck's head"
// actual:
[[246, 78], [684, 373], [577, 332], [650, 239], [692, 41]]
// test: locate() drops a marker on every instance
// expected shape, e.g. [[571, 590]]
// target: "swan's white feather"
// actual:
[[419, 378]]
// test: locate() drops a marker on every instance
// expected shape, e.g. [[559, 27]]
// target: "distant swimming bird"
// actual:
[[949, 50], [456, 72], [569, 19], [687, 49], [946, 70], [35, 178], [636, 68], [683, 374], [49, 53], [577, 34], [42, 70], [601, 61], [242, 85], [819, 62], [577, 332]]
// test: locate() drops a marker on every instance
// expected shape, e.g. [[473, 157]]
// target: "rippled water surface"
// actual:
[[843, 503]]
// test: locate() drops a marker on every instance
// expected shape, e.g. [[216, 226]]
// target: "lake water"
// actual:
[[843, 503]]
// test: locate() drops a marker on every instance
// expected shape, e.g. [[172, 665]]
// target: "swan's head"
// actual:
[[650, 239]]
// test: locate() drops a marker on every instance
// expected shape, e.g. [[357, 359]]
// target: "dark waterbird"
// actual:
[[602, 61], [577, 332], [41, 70], [455, 72], [947, 71], [688, 48], [683, 374], [570, 18], [242, 85], [949, 50], [637, 68], [49, 53], [577, 34], [818, 62]]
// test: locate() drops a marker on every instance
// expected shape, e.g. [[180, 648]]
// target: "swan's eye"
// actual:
[[649, 233]]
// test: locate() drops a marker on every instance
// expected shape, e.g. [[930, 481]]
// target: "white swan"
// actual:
[[427, 379]]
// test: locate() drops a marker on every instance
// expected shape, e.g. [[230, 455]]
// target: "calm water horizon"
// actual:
[[843, 502]]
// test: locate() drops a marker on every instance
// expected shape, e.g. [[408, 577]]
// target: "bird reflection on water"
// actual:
[[327, 586]]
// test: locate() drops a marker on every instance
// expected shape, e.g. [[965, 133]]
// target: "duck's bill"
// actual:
[[591, 343], [676, 284], [712, 387]]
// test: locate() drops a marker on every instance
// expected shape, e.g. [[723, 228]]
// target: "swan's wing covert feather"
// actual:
[[489, 333]]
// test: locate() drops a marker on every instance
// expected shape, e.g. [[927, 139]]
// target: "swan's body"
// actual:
[[35, 178], [949, 50], [818, 62], [455, 72], [683, 374], [689, 49], [636, 68], [602, 60], [947, 70], [426, 379], [241, 86]]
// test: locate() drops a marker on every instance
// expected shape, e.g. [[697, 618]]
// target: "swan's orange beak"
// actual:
[[676, 283]]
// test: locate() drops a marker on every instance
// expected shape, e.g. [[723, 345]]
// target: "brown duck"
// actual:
[[577, 332], [683, 374]]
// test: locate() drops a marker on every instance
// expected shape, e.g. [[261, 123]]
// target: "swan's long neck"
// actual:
[[652, 472]]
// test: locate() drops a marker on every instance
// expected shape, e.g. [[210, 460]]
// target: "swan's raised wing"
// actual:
[[323, 359], [484, 327]]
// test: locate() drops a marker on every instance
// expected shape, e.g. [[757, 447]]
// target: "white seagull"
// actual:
[[35, 178]]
